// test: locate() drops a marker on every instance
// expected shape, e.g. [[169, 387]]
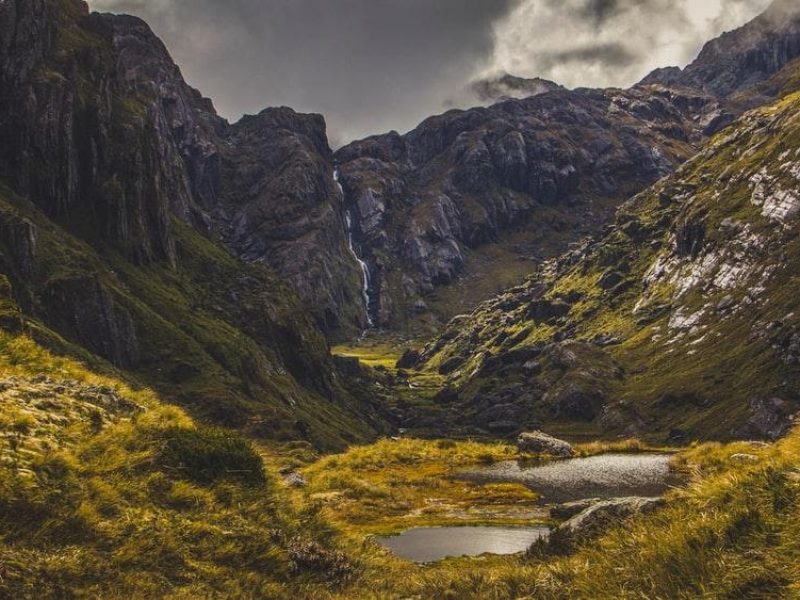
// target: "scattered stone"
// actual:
[[540, 443], [546, 311], [726, 303], [770, 418], [565, 511], [606, 339], [741, 457], [295, 480], [532, 367]]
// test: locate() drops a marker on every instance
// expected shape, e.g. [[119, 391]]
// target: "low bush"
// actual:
[[207, 455]]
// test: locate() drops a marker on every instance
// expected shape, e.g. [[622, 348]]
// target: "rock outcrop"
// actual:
[[540, 443], [675, 321], [743, 58], [596, 520]]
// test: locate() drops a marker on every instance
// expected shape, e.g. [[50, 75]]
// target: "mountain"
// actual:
[[114, 206], [743, 58], [679, 322], [470, 201], [493, 89]]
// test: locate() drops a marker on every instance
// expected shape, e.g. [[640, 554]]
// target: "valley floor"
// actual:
[[107, 493]]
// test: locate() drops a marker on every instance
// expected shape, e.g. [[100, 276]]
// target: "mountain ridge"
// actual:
[[609, 337], [440, 202]]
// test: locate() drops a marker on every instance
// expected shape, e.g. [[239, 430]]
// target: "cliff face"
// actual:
[[489, 192], [111, 171], [679, 322], [278, 204], [553, 166]]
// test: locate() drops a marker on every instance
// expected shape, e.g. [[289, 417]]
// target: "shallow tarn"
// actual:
[[601, 476], [428, 544]]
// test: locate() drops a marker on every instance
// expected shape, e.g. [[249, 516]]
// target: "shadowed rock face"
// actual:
[[469, 178], [278, 204], [117, 180], [99, 128], [558, 164]]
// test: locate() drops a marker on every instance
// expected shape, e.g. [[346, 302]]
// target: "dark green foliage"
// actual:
[[208, 455]]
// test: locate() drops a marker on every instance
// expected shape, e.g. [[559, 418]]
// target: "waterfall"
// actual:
[[365, 276]]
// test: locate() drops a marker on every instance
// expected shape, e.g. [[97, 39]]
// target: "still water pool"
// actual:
[[428, 544]]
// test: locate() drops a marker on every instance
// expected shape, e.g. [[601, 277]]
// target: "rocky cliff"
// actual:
[[487, 193], [115, 180], [679, 322], [278, 204]]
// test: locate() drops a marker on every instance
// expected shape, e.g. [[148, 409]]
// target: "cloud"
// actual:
[[600, 43], [374, 65], [367, 65]]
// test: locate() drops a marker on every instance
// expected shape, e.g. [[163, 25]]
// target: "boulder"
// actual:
[[295, 480], [600, 516], [565, 511], [540, 443], [409, 359], [593, 521]]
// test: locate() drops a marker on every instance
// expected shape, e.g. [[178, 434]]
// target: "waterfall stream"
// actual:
[[348, 219]]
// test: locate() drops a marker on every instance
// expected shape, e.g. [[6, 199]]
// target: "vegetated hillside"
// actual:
[[470, 201], [681, 321], [100, 129], [105, 492], [108, 176]]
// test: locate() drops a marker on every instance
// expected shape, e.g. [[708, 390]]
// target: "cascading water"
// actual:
[[366, 279]]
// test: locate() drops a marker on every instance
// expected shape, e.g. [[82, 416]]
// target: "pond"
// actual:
[[428, 544], [602, 476]]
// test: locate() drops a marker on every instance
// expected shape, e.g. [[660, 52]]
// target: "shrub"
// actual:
[[208, 455]]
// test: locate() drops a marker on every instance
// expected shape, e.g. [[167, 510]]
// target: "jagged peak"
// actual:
[[743, 57]]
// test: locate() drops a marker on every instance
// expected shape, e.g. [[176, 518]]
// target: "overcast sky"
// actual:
[[374, 65]]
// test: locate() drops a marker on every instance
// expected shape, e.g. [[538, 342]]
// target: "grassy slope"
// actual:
[[732, 534], [104, 506], [230, 352], [141, 503]]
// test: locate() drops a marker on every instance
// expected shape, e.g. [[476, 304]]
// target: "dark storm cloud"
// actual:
[[599, 10], [610, 42], [374, 65], [365, 64], [609, 54]]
